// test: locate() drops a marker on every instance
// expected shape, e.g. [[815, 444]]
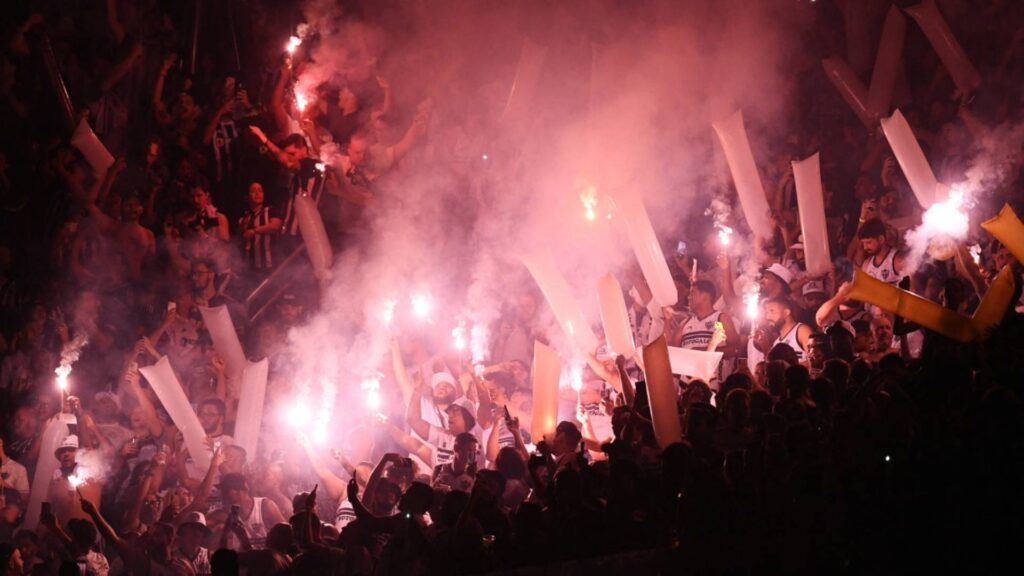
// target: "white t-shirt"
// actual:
[[14, 476], [443, 444]]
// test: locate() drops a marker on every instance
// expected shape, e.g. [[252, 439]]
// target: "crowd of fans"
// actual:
[[834, 437]]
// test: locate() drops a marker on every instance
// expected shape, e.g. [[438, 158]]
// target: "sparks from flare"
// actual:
[[371, 386], [752, 304], [301, 101], [459, 336], [422, 305], [724, 234], [78, 478], [387, 314], [62, 373], [588, 197]]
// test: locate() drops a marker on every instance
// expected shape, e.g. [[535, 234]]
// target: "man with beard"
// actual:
[[880, 261], [779, 312]]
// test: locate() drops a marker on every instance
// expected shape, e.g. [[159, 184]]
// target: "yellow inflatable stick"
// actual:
[[1008, 229], [993, 306], [911, 307], [661, 393], [547, 369]]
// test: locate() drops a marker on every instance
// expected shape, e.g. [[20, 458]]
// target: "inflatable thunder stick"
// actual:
[[888, 61], [95, 153], [547, 370], [733, 138], [225, 341], [807, 177], [614, 317], [694, 363], [851, 89], [163, 381], [314, 236], [647, 249], [911, 158], [960, 69], [528, 69], [559, 296], [1008, 229], [661, 393], [46, 464], [251, 399]]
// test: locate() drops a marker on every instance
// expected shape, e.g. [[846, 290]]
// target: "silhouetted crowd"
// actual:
[[833, 436]]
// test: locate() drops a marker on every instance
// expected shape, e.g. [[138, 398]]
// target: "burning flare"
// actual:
[[752, 304], [422, 305], [589, 199], [724, 234], [293, 43]]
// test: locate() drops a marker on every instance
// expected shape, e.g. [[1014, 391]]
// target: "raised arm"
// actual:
[[732, 300], [114, 20], [334, 485], [160, 113], [277, 97], [415, 415], [421, 450], [130, 378], [118, 72], [416, 129], [401, 375]]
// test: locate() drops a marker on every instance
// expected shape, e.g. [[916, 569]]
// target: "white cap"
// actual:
[[781, 271], [440, 377], [68, 442]]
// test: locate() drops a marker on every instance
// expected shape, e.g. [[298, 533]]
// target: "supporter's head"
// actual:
[[280, 537], [358, 148], [211, 415], [814, 294], [179, 497], [1002, 257], [466, 447], [192, 531], [837, 372], [798, 254], [417, 500], [872, 237], [200, 195], [567, 438], [386, 497], [526, 308], [442, 386], [131, 208], [775, 281], [255, 194], [702, 295], [204, 274], [818, 350], [185, 106], [295, 149], [290, 308], [234, 488], [490, 485], [67, 451], [779, 312], [864, 339], [783, 352], [460, 419], [83, 533], [234, 459], [798, 381], [737, 407], [25, 423], [510, 464], [106, 406], [347, 100], [151, 149], [157, 542], [881, 328]]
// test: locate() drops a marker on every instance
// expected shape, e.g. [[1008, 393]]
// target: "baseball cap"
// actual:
[[196, 520], [69, 443], [814, 286], [440, 377], [780, 271]]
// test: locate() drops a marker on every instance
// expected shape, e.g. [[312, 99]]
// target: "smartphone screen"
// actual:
[[681, 247]]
